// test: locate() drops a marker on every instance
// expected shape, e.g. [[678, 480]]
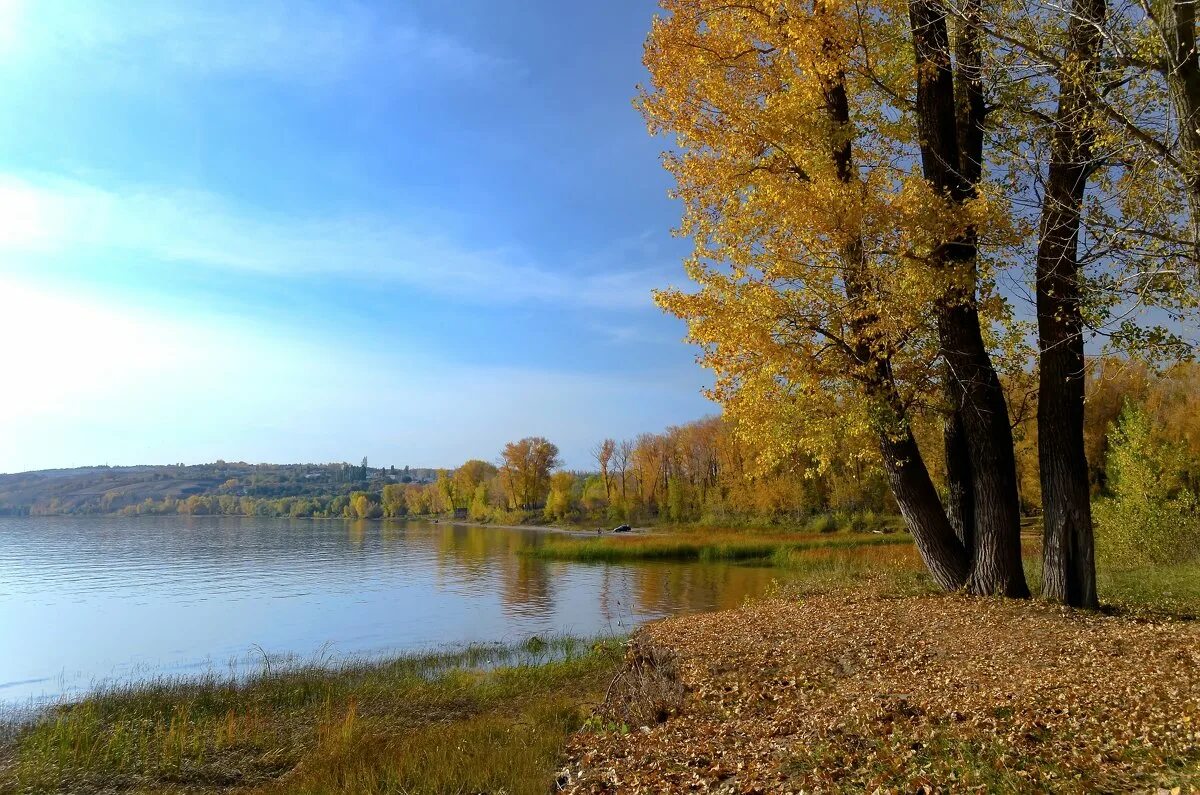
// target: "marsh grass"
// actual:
[[481, 719], [884, 569], [707, 546]]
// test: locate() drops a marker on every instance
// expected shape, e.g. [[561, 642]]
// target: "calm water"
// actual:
[[85, 600]]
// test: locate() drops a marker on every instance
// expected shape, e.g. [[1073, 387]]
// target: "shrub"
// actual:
[[1149, 515], [823, 523]]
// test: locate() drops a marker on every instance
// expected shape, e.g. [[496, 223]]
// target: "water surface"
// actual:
[[85, 600]]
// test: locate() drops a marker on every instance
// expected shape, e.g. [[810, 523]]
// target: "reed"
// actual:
[[481, 718]]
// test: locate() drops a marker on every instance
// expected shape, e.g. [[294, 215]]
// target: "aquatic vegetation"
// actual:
[[480, 718]]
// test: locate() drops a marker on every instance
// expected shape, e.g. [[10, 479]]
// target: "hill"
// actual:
[[105, 489]]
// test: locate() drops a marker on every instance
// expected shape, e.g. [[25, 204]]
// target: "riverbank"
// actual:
[[485, 718], [857, 692], [852, 675]]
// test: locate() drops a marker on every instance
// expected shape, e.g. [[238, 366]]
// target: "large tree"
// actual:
[[816, 247], [1110, 183], [525, 470], [949, 113], [854, 178], [1068, 550]]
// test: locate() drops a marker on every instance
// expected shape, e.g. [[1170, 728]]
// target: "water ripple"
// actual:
[[88, 599]]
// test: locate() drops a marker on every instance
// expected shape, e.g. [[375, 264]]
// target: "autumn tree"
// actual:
[[451, 495], [1068, 546], [361, 506], [525, 469], [622, 454], [468, 477], [949, 109], [821, 259], [603, 453], [560, 501], [393, 500], [416, 499], [1102, 160]]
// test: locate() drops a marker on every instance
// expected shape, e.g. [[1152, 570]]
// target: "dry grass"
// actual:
[[647, 689], [429, 723], [852, 693]]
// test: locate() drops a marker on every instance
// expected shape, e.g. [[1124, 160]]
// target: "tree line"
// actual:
[[1141, 435]]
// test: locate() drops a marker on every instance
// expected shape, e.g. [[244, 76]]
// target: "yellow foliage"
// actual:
[[814, 271]]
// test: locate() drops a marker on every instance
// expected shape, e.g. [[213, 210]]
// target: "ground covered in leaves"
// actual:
[[851, 692]]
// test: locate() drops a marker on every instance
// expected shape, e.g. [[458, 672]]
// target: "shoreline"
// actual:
[[782, 690], [636, 531], [485, 718]]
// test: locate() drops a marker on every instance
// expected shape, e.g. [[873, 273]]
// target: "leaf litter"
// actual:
[[858, 693]]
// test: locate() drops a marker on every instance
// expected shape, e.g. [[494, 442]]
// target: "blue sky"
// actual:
[[279, 231]]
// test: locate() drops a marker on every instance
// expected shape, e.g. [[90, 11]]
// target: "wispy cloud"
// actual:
[[288, 40], [57, 219]]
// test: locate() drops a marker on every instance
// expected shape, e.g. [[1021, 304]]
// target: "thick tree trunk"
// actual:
[[1176, 21], [1068, 558], [996, 561], [996, 565], [941, 550], [970, 110], [960, 489], [908, 476]]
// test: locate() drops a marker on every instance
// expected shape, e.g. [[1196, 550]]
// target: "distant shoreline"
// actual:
[[574, 531]]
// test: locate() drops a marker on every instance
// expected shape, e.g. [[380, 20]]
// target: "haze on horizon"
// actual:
[[289, 232]]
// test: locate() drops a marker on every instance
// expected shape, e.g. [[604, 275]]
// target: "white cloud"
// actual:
[[72, 220], [297, 41], [67, 219]]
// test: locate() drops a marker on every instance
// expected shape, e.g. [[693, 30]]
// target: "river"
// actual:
[[92, 600]]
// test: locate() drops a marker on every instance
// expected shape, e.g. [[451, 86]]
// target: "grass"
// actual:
[[482, 719], [889, 564], [886, 569], [706, 546], [1173, 589]]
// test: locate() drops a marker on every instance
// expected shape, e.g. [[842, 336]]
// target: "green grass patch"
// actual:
[[481, 719], [1172, 589], [686, 546], [1162, 590]]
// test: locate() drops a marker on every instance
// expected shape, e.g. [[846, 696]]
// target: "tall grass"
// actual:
[[704, 546], [481, 719]]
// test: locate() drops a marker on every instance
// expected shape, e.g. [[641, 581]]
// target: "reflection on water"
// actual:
[[84, 599]]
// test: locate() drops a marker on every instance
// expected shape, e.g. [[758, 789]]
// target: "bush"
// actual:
[[1149, 517], [823, 523]]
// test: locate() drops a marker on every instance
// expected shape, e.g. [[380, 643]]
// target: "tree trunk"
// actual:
[[960, 490], [908, 476], [941, 550], [1176, 21], [1068, 557], [996, 564], [970, 110]]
